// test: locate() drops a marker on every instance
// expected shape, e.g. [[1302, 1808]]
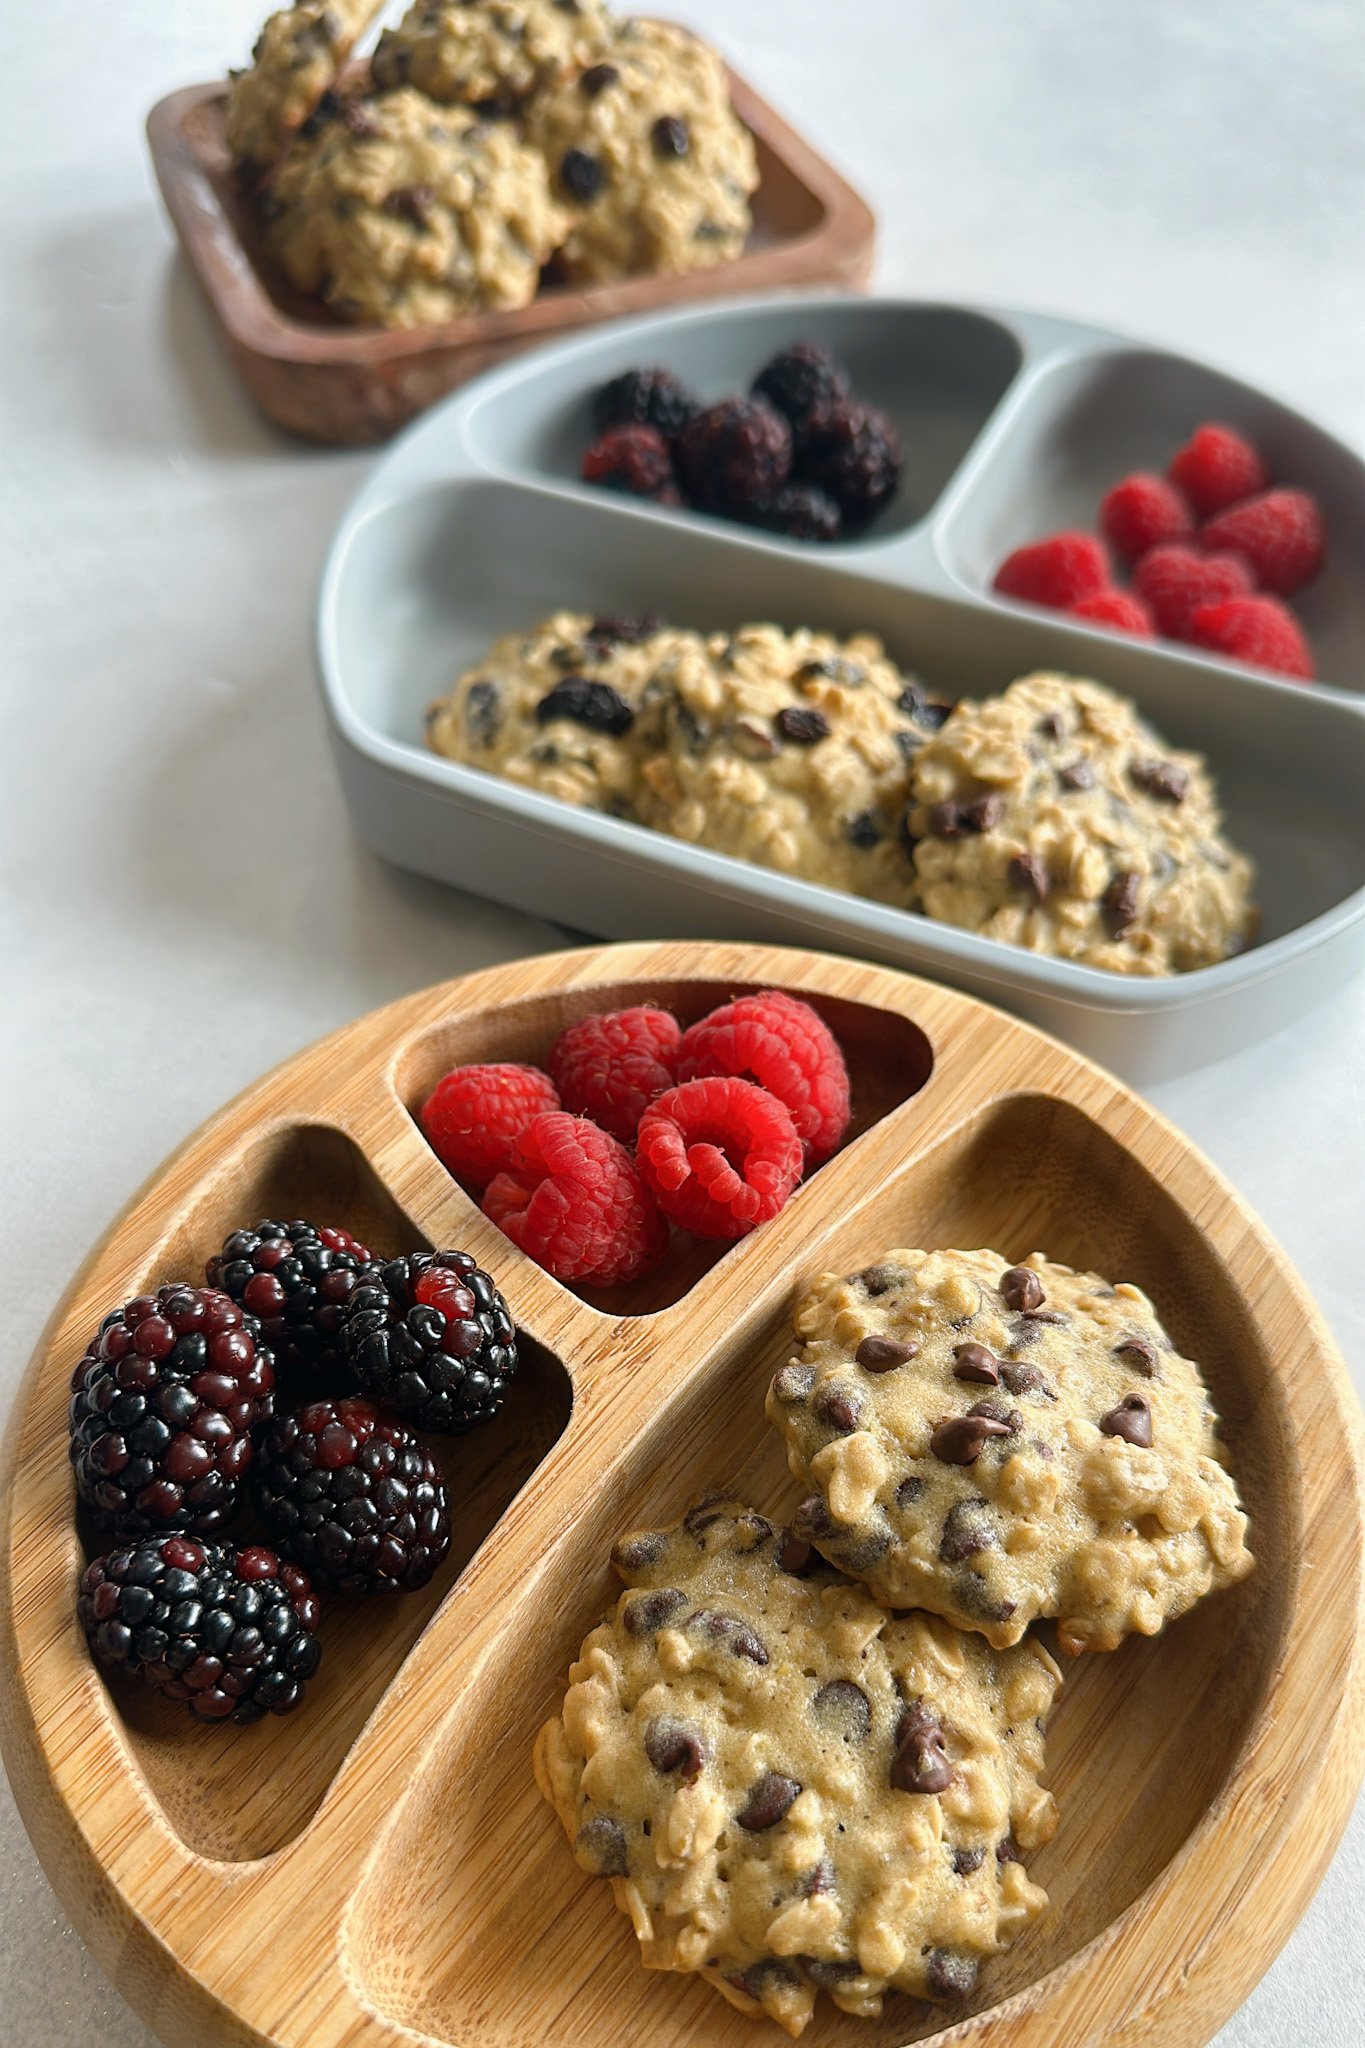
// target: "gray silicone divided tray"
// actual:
[[1013, 424]]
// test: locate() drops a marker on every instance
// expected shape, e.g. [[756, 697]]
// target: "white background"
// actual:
[[181, 901]]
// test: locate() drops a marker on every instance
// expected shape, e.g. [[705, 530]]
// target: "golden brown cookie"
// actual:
[[298, 57], [789, 1790], [998, 1443], [487, 53]]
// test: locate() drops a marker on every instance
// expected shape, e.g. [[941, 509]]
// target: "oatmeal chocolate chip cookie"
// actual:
[[558, 709], [297, 58], [647, 153], [792, 750], [402, 213], [996, 1443], [1053, 818], [487, 53], [790, 1790]]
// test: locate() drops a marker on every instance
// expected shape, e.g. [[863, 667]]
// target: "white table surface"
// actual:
[[182, 902]]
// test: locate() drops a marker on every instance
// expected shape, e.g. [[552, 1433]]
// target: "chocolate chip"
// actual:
[[950, 1975], [1007, 1850], [705, 1513], [483, 712], [844, 1706], [767, 1803], [879, 1280], [670, 137], [596, 79], [832, 668], [828, 1974], [945, 821], [1165, 780], [641, 1548], [649, 1612], [1022, 1378], [884, 1354], [967, 1531], [411, 202], [1077, 775], [860, 1552], [910, 1488], [920, 1762], [802, 724], [998, 1412], [627, 631], [595, 705], [1119, 902], [819, 1878], [1140, 1353], [1026, 871], [1020, 1288], [796, 1555], [864, 830], [974, 1362], [836, 1408], [736, 1635], [600, 1846], [672, 1746], [1131, 1420], [360, 122], [813, 1520], [1051, 726], [581, 175], [983, 815], [751, 1532], [960, 1439], [965, 1861], [793, 1382]]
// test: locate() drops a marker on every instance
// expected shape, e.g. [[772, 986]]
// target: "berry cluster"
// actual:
[[1213, 549], [800, 455], [176, 1420], [639, 1124]]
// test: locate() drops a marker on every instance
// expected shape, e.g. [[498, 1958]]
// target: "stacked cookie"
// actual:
[[793, 1784], [1050, 816], [493, 136]]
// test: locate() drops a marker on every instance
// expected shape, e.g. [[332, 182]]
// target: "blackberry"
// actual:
[[644, 398], [229, 1632], [162, 1408], [803, 512], [297, 1278], [800, 380], [352, 1497], [633, 459], [851, 451], [433, 1339], [735, 456]]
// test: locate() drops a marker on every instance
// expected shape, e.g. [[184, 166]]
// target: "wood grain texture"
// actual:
[[349, 385], [379, 1869]]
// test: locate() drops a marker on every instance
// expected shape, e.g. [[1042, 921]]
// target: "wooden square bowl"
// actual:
[[379, 1870], [334, 382]]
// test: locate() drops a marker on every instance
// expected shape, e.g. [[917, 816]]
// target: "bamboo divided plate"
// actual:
[[345, 384], [379, 1869]]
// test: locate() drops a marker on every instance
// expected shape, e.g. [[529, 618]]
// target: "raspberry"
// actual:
[[850, 451], [352, 1497], [803, 512], [1216, 467], [230, 1632], [474, 1116], [635, 460], [1281, 535], [610, 1067], [298, 1278], [1257, 630], [722, 1155], [433, 1339], [644, 398], [801, 380], [735, 455], [576, 1205], [1117, 609], [1174, 581], [1057, 572], [1141, 512], [787, 1048], [162, 1408]]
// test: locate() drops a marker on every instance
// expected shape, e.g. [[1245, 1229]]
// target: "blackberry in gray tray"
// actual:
[[432, 1339], [801, 379], [353, 1497], [734, 456], [851, 451], [644, 398], [163, 1404], [230, 1632]]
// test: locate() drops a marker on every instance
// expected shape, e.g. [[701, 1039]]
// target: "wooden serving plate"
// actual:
[[339, 383], [380, 1870]]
